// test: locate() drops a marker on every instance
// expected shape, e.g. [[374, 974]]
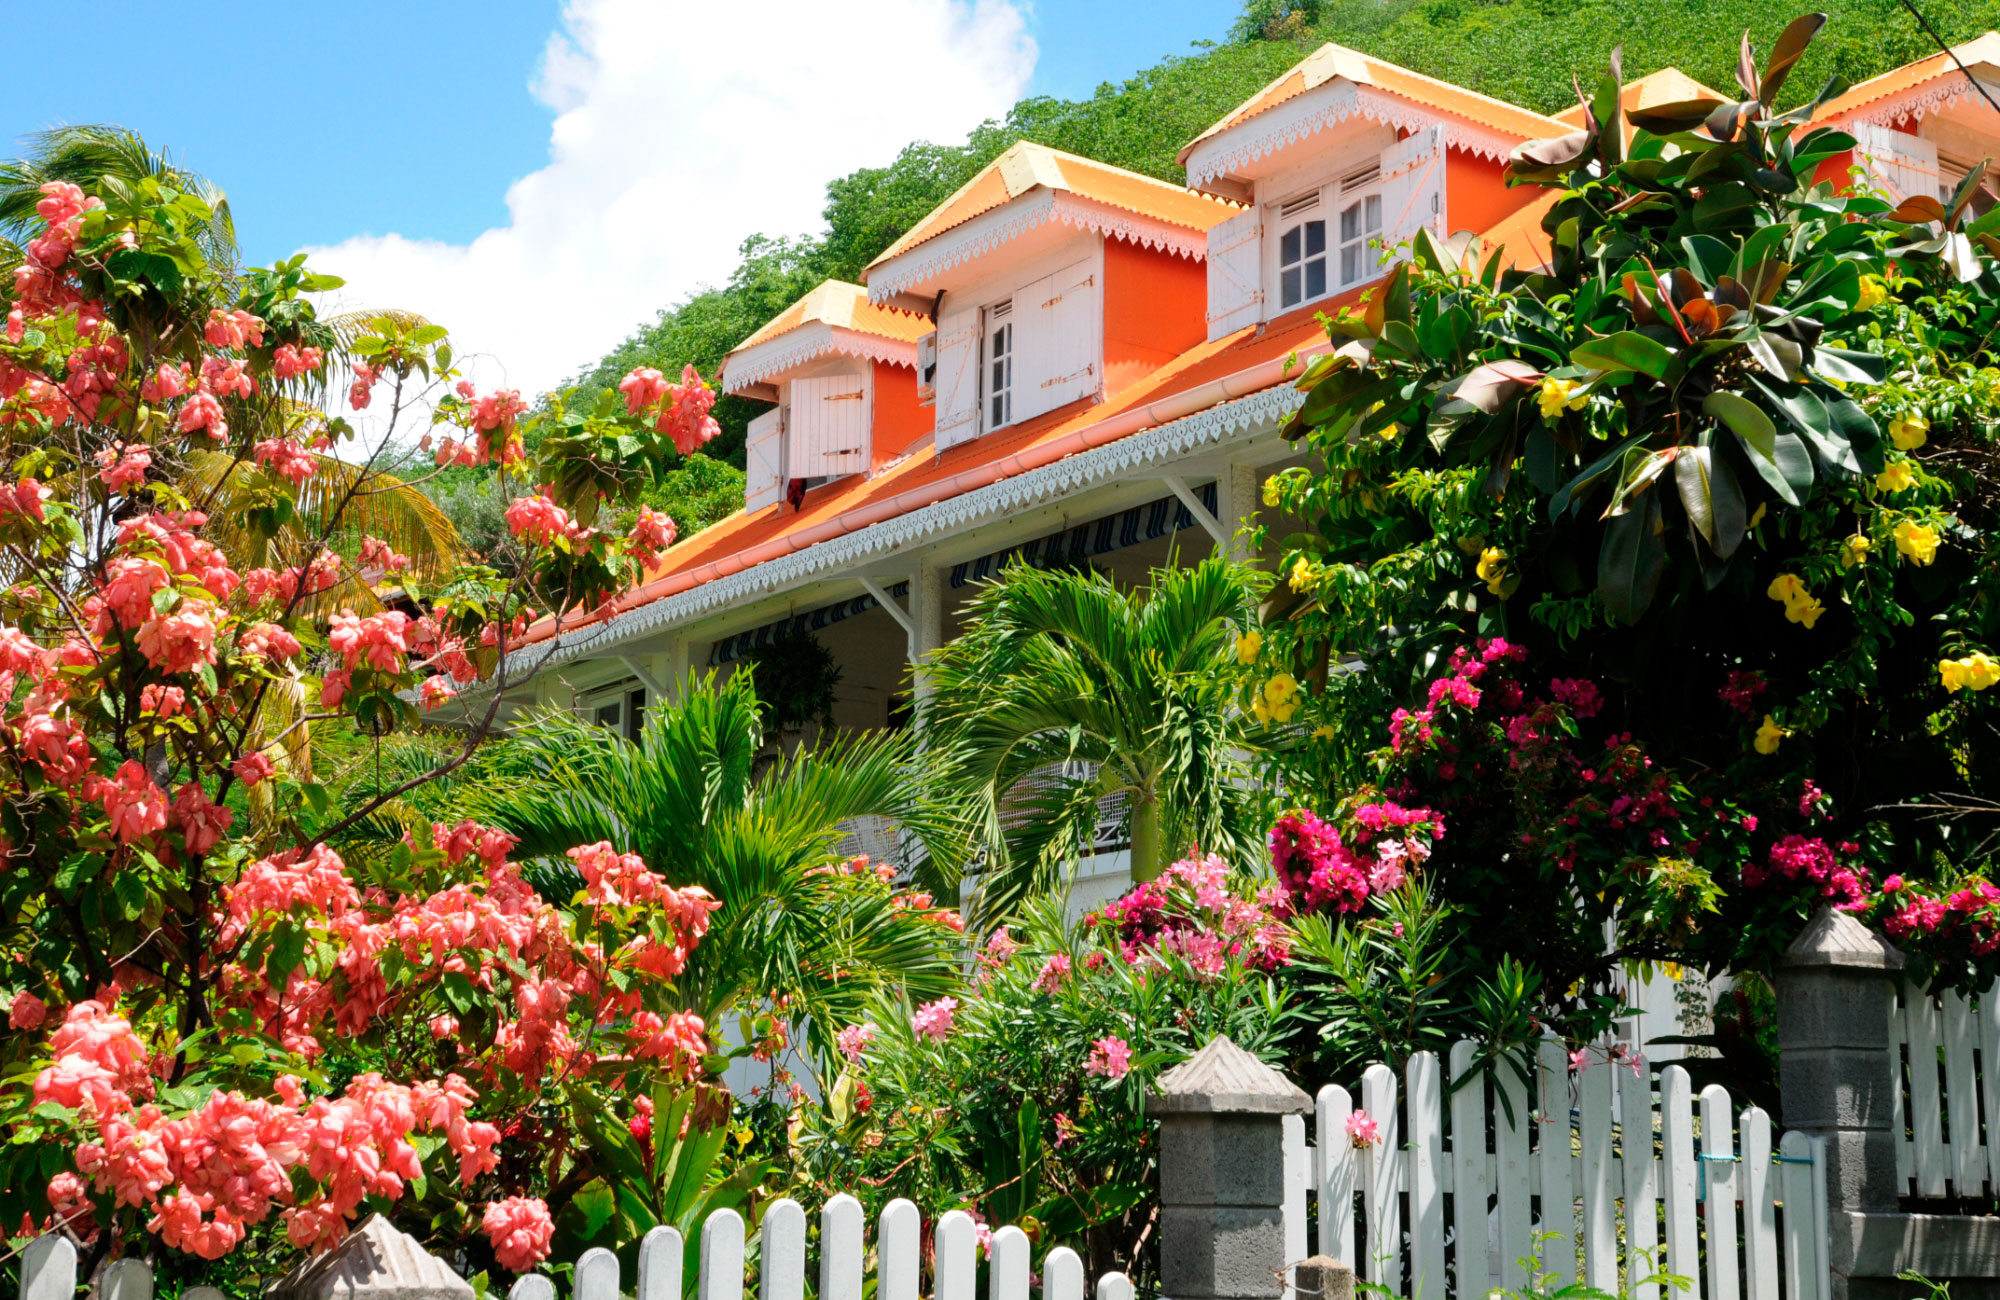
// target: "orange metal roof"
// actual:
[[838, 303], [1980, 50], [1667, 86], [1027, 166], [1330, 61]]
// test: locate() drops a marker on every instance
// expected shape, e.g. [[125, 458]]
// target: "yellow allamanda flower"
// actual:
[[1854, 550], [1909, 432], [1800, 604], [1555, 394], [1917, 541], [1895, 477], [1975, 672], [1873, 292], [1272, 486], [1248, 645], [1302, 578], [1770, 735], [1492, 568]]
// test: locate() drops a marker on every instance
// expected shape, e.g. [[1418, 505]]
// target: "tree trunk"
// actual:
[[1146, 862]]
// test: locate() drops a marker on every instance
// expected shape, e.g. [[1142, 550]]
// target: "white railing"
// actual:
[[1594, 1177], [48, 1266], [1938, 1044]]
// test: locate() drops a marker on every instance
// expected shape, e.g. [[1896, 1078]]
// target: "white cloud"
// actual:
[[681, 128]]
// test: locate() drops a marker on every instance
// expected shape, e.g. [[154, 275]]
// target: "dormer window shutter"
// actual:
[[764, 460], [1412, 173], [1066, 312], [830, 426], [1235, 273], [957, 386], [1906, 165]]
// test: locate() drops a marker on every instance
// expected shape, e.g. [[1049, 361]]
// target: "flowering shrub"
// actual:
[[192, 967]]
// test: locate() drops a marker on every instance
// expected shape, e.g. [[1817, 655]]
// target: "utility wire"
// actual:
[[1931, 32]]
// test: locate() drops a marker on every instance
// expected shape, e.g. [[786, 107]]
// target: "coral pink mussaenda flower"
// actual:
[[520, 1230], [933, 1019]]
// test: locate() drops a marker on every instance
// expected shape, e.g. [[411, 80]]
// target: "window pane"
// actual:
[[1374, 205], [1350, 264], [1289, 287], [1315, 237], [1316, 277], [1288, 247], [1350, 222]]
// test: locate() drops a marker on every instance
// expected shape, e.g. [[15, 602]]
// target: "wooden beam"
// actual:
[[1209, 522]]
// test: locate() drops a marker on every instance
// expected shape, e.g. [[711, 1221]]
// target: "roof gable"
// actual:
[[1914, 89], [1299, 103], [1667, 86], [834, 316]]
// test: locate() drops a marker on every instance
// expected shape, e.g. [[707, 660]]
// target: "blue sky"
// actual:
[[328, 121]]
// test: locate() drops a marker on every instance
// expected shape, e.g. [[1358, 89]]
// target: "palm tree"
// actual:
[[693, 798], [1064, 691]]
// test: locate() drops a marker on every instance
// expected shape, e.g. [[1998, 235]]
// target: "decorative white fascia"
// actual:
[[1147, 450], [794, 348], [988, 231], [1328, 106], [1935, 96]]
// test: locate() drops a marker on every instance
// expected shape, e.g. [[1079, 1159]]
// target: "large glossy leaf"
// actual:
[[1625, 350], [1631, 560], [1791, 46], [1587, 481], [1489, 387], [1744, 416], [1713, 499], [1851, 367], [1806, 413]]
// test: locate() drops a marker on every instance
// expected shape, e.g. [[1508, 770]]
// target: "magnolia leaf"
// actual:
[[1625, 350], [1791, 46], [1674, 118], [1631, 560], [1917, 209], [1712, 497], [1961, 258], [1776, 354], [1851, 367], [1491, 386]]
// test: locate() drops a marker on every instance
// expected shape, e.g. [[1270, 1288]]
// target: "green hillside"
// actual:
[[1518, 50]]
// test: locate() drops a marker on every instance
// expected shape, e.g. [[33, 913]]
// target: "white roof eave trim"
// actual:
[[1938, 95], [1150, 448], [988, 231], [1327, 106], [795, 348]]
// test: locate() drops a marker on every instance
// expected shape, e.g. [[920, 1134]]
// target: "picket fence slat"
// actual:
[[1795, 1186], [661, 1256], [1944, 1055], [48, 1268], [782, 1273], [1906, 1151], [1678, 1183], [1298, 1183], [843, 1256], [1008, 1276], [1381, 1197], [596, 1276], [1513, 1122], [1469, 1170], [1424, 1183], [1760, 1210], [1556, 1160], [956, 1245], [1961, 1096], [1640, 1179], [127, 1279], [1062, 1275], [1335, 1155], [1114, 1286], [1989, 1054], [1600, 1204], [529, 1286], [1926, 1108], [899, 1253], [1718, 1152], [721, 1275]]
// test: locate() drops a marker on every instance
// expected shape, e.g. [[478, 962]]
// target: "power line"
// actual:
[[1931, 32]]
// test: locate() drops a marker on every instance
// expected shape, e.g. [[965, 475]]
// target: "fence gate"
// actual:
[[1593, 1177], [1941, 1053]]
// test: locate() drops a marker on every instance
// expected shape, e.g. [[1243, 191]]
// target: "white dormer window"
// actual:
[[999, 369], [1301, 251], [1360, 222], [1353, 205]]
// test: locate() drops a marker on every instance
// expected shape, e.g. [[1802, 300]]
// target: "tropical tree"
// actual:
[[1066, 690], [800, 925]]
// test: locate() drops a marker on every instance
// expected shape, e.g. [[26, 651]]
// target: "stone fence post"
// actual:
[[1838, 1082], [1222, 1175]]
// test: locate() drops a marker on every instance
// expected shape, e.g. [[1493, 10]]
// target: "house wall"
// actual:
[[899, 421], [1476, 196], [1155, 308]]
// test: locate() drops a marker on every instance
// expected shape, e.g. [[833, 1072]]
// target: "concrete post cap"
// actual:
[[375, 1261], [1222, 1078], [1835, 938]]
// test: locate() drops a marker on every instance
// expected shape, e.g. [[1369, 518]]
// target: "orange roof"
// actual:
[[845, 306], [1027, 166], [1521, 232], [1330, 61], [1667, 86], [1980, 50]]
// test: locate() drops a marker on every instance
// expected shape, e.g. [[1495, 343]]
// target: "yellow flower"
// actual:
[[1672, 969], [1325, 731], [1805, 611], [1854, 550], [1895, 477], [1909, 432], [1271, 486], [1787, 587], [1259, 709], [1492, 568], [1918, 541], [1248, 645], [1554, 395], [1303, 579], [1758, 517], [1975, 672], [1283, 688], [1873, 292], [1770, 735]]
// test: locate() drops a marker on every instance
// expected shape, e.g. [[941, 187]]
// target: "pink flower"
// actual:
[[378, 554], [686, 419], [643, 387], [135, 805], [289, 362], [253, 767], [365, 376], [1054, 971], [26, 1011], [651, 534], [540, 520], [204, 412], [444, 1027], [854, 1040], [434, 692], [202, 822], [520, 1230], [1110, 1057], [179, 642], [287, 459], [165, 384], [1362, 1130], [233, 329], [933, 1019], [120, 471]]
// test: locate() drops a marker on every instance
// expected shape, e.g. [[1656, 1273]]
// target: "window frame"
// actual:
[[990, 390], [628, 696], [1324, 205]]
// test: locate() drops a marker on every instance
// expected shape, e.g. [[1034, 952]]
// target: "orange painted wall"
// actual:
[[1155, 308], [899, 421], [1475, 195]]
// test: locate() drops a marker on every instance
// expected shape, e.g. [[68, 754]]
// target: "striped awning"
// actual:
[[1141, 523]]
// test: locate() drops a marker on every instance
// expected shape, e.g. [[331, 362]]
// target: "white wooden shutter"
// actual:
[[1069, 311], [1413, 186], [1235, 273], [830, 424], [1034, 347], [957, 378], [764, 460], [1906, 165]]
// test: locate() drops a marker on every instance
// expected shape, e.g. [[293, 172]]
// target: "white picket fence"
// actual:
[[49, 1264], [1594, 1172], [1945, 1052]]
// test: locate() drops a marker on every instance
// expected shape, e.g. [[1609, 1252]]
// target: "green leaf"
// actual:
[[1630, 562], [1712, 498], [1625, 350], [1851, 367], [594, 1203], [1809, 416], [1585, 482], [458, 991], [288, 949], [1708, 257], [78, 870], [1744, 416]]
